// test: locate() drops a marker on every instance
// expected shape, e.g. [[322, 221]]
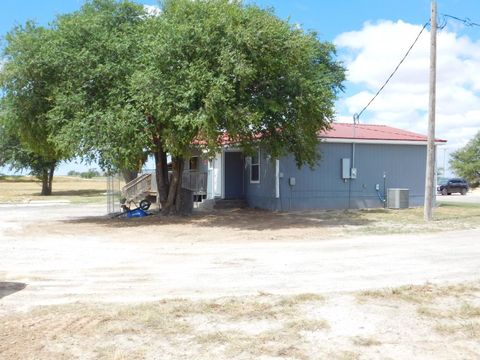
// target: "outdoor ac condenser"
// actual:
[[398, 198]]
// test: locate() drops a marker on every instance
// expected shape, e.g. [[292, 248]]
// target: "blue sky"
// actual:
[[371, 36]]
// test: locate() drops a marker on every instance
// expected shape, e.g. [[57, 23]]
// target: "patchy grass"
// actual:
[[468, 329], [451, 216], [419, 293], [301, 298], [311, 325], [446, 308], [468, 311], [261, 326], [110, 352], [457, 205], [234, 326], [366, 341], [344, 355], [23, 189]]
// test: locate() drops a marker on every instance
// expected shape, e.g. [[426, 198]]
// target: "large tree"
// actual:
[[136, 84], [28, 80], [216, 66], [465, 162]]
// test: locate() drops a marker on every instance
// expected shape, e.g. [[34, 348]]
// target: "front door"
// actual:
[[234, 175]]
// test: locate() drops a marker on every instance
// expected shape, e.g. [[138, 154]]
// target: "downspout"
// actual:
[[384, 190], [353, 163], [277, 180]]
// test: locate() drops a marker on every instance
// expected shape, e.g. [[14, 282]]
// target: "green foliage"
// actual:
[[210, 67], [112, 83], [90, 174], [96, 50], [18, 156], [28, 80], [466, 161], [197, 71]]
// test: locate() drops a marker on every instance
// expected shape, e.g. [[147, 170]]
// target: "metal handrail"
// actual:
[[195, 181], [138, 186]]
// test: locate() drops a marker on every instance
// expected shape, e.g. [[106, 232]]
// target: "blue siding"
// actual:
[[323, 187], [262, 195]]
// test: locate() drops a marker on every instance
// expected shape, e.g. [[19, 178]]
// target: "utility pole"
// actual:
[[430, 173]]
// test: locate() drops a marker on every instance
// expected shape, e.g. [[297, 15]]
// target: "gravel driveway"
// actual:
[[61, 260], [470, 198]]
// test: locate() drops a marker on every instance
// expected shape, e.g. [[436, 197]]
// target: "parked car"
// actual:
[[449, 186]]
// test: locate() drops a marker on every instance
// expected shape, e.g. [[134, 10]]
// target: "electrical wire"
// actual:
[[356, 117], [465, 21]]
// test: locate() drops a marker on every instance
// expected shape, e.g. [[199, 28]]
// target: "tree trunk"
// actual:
[[169, 189], [47, 180], [161, 166], [50, 178], [174, 190], [161, 171]]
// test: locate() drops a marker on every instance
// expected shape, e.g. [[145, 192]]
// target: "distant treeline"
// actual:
[[85, 175]]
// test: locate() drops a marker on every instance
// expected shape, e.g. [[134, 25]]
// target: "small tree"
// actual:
[[95, 50], [466, 161], [18, 157], [28, 80]]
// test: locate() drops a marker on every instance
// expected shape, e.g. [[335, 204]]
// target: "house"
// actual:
[[358, 164]]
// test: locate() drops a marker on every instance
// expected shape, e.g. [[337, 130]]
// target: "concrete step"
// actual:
[[230, 204]]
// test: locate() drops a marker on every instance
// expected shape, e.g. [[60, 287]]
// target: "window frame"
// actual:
[[255, 164], [196, 161]]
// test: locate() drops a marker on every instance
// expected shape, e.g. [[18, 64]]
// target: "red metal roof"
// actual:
[[358, 132], [371, 132]]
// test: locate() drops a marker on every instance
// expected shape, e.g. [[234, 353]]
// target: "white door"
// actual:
[[217, 170]]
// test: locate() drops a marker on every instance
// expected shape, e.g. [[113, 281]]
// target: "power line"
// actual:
[[465, 21], [356, 117]]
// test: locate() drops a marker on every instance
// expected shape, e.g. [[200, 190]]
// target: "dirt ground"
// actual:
[[238, 284], [26, 189], [421, 322]]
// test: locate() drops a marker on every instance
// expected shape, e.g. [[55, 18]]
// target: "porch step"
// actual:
[[230, 204]]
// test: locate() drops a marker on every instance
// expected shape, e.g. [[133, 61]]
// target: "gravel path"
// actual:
[[62, 261]]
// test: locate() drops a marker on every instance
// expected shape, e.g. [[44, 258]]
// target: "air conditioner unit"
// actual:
[[398, 198]]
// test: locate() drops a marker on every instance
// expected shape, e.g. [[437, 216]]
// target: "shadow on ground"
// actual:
[[9, 288], [239, 219]]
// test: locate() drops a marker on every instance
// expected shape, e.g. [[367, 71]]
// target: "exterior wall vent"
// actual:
[[398, 198]]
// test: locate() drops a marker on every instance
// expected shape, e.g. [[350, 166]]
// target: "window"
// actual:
[[255, 168], [194, 163]]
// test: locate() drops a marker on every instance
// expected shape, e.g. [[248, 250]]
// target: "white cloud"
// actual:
[[152, 10], [372, 53]]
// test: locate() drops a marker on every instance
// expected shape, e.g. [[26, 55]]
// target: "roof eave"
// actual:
[[379, 141]]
